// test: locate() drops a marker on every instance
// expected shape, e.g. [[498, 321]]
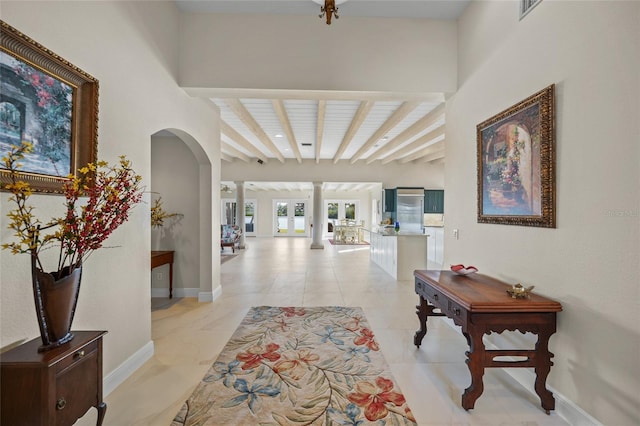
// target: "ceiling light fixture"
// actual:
[[329, 8]]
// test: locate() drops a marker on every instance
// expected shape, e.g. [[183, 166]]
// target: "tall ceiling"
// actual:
[[328, 127]]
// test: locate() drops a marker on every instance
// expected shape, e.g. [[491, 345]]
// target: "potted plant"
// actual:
[[98, 200]]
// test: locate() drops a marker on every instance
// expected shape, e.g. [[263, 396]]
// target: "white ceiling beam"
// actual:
[[281, 112], [232, 134], [322, 109], [226, 148], [417, 127], [358, 119], [245, 116], [433, 157], [423, 141], [395, 118], [418, 155]]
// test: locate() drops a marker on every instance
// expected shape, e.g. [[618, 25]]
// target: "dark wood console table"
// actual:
[[55, 387], [161, 258], [481, 305]]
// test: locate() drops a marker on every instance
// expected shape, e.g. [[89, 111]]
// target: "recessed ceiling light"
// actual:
[[279, 135], [384, 138]]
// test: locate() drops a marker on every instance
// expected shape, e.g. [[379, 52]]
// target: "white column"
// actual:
[[316, 242], [240, 212]]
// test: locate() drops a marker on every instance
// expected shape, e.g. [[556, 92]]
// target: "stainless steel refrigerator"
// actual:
[[410, 210]]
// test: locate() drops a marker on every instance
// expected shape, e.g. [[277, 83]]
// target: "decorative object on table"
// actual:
[[158, 215], [520, 292], [516, 164], [299, 365], [463, 270], [53, 104], [397, 227], [110, 191]]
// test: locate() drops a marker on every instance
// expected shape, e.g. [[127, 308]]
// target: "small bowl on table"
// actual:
[[463, 270]]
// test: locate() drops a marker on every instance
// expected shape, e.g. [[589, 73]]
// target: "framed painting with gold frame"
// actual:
[[49, 103], [516, 164]]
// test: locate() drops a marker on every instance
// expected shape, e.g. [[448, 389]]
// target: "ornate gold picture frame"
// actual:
[[516, 164], [50, 103]]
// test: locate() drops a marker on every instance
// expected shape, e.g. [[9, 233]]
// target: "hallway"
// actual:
[[284, 272]]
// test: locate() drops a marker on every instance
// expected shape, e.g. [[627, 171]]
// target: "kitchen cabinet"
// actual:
[[434, 201], [435, 247], [390, 200], [399, 255]]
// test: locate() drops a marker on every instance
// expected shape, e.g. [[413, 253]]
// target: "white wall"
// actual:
[[590, 263], [301, 53], [131, 48]]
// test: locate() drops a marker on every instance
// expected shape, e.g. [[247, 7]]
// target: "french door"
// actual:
[[337, 210], [291, 218], [228, 215]]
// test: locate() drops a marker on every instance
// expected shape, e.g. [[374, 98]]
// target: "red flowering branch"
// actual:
[[110, 191]]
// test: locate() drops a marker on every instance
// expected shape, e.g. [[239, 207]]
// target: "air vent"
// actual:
[[306, 144], [527, 6]]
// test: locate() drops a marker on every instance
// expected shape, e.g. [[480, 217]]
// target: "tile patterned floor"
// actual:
[[284, 272]]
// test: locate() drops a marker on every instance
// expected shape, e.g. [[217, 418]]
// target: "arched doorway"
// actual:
[[181, 173]]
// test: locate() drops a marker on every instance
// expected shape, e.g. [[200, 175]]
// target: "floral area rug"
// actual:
[[298, 366]]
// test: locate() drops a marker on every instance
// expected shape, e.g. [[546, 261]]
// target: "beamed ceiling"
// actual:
[[346, 127], [350, 130]]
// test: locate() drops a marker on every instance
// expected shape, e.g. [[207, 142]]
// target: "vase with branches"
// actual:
[[97, 201]]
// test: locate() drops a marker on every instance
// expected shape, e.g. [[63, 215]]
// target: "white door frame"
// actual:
[[291, 218], [341, 213]]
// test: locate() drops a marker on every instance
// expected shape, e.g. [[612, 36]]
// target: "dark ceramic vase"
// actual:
[[55, 295]]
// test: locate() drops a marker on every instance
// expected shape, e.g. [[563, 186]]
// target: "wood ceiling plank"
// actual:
[[236, 106], [395, 118], [423, 141], [322, 110], [281, 112], [358, 119], [417, 127], [436, 148], [432, 157], [240, 140], [226, 157]]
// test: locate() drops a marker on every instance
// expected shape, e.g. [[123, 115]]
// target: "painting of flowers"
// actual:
[[516, 181], [306, 366], [49, 104], [36, 108]]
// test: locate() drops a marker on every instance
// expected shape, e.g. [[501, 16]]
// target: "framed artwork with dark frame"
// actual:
[[516, 164], [50, 103]]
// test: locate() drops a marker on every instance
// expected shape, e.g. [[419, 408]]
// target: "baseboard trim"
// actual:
[[127, 368], [565, 408], [210, 296], [177, 292]]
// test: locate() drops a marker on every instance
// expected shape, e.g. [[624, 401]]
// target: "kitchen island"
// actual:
[[399, 254]]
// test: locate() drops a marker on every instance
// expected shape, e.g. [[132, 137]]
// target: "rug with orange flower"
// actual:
[[295, 366]]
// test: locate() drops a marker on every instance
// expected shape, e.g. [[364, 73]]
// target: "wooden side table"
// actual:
[[56, 387], [160, 258], [480, 305]]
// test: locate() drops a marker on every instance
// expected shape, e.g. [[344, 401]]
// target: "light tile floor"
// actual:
[[285, 272]]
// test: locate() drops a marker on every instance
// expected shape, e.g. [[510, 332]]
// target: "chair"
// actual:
[[229, 236]]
